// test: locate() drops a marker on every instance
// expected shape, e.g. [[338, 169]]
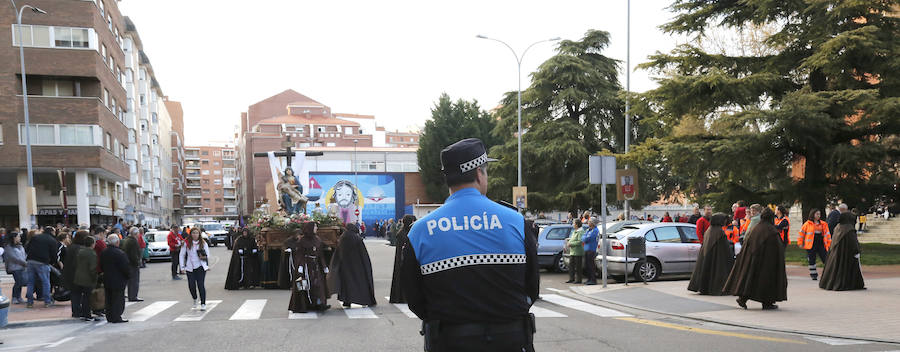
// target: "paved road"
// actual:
[[258, 320]]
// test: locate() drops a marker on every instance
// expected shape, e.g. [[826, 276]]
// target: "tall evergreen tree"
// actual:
[[450, 122], [810, 122]]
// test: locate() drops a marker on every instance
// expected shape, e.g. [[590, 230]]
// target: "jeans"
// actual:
[[134, 282], [174, 255], [21, 280], [576, 267], [590, 265], [197, 282], [818, 248], [39, 272]]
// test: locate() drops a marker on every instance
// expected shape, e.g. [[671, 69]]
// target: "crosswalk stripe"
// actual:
[[250, 310], [129, 304], [545, 313], [307, 315], [582, 306], [403, 307], [836, 341], [151, 310], [360, 312], [198, 315]]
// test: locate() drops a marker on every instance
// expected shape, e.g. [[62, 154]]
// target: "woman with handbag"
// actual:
[[194, 260]]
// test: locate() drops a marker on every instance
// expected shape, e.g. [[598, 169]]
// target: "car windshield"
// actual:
[[624, 231], [155, 237], [213, 227]]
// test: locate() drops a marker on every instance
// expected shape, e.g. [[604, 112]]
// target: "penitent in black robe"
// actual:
[[351, 270], [396, 283], [714, 261], [243, 271], [284, 268], [307, 263], [758, 272], [842, 271]]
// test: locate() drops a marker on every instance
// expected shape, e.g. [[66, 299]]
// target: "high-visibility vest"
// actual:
[[745, 224], [785, 234], [732, 233], [807, 235]]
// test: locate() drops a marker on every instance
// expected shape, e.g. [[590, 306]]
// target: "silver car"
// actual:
[[157, 244], [672, 248]]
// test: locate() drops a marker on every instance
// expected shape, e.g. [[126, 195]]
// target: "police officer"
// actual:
[[469, 269]]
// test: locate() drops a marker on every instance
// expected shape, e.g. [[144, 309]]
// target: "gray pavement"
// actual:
[[564, 324]]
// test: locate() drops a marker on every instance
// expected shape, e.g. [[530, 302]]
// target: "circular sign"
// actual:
[[356, 212]]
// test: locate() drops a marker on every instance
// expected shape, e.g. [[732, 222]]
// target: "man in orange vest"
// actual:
[[815, 239], [733, 231]]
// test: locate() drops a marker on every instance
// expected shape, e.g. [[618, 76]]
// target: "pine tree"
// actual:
[[811, 121]]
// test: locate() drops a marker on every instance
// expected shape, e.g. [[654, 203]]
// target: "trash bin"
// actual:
[[636, 249], [4, 310]]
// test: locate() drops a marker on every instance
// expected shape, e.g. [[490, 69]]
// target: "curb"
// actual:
[[572, 294], [39, 323]]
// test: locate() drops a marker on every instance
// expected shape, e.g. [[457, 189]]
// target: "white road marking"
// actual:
[[250, 310], [554, 289], [582, 306], [307, 315], [545, 313], [60, 342], [129, 304], [151, 310], [835, 341], [360, 312], [198, 315], [403, 307]]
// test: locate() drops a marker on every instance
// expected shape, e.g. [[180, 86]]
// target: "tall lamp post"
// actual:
[[25, 101], [519, 91], [627, 92]]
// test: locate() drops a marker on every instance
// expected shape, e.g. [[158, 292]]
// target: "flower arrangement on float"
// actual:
[[288, 223]]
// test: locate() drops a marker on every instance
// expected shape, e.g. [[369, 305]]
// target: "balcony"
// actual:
[[192, 165], [192, 174], [192, 205], [192, 194]]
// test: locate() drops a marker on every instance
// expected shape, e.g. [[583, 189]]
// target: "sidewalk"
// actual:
[[870, 314], [20, 316]]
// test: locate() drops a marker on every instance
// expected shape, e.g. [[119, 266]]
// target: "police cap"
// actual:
[[463, 156]]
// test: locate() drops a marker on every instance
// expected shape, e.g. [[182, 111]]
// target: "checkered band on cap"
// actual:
[[474, 259], [474, 163]]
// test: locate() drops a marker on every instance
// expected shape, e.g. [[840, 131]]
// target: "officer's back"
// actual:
[[469, 269]]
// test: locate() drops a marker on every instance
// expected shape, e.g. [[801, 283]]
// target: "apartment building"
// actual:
[[95, 113], [210, 192], [176, 113]]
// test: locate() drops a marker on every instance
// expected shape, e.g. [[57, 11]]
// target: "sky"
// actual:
[[391, 59]]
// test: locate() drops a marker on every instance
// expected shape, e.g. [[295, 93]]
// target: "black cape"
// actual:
[[308, 254], [758, 272], [284, 269], [714, 261], [396, 278], [243, 271], [351, 270], [842, 271]]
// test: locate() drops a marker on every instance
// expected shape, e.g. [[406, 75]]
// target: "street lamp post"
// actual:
[[25, 100], [627, 92], [519, 92]]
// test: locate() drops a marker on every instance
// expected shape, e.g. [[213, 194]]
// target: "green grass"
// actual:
[[872, 254]]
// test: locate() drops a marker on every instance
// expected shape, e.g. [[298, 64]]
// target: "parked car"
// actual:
[[203, 234], [157, 244], [216, 232], [551, 241], [611, 229], [672, 248]]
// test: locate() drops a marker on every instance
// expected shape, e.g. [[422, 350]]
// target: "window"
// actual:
[[1, 134], [216, 163], [112, 64], [559, 233], [76, 135], [60, 88], [690, 233], [143, 103], [205, 181], [216, 153], [68, 37], [329, 144], [206, 191], [108, 141], [218, 181], [205, 152], [217, 172], [320, 129], [360, 131], [204, 161], [53, 37], [348, 130], [206, 200], [219, 200], [106, 97], [100, 4], [204, 172], [667, 234], [122, 151], [40, 134]]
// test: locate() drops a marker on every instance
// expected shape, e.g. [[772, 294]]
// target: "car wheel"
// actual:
[[560, 264], [648, 270]]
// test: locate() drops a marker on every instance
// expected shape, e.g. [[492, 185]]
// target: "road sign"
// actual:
[[602, 169], [520, 197], [356, 212]]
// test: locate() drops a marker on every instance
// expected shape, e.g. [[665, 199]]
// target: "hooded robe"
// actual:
[[243, 271], [842, 271], [350, 274], [714, 261], [758, 272], [306, 259], [401, 238], [284, 268]]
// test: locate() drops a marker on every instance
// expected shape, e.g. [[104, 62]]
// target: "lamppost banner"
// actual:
[[626, 184]]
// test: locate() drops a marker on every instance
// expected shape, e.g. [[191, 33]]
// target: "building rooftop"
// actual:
[[303, 120]]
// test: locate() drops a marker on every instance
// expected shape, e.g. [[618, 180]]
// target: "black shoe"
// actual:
[[591, 283], [742, 303], [176, 277], [570, 281], [770, 306], [136, 300], [815, 278], [346, 305], [88, 319], [119, 321]]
